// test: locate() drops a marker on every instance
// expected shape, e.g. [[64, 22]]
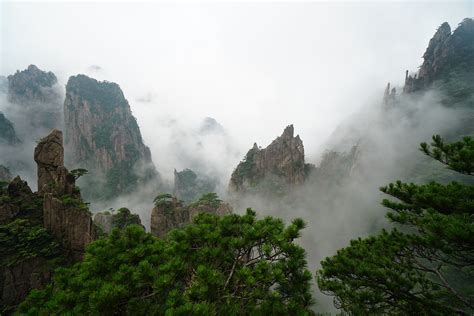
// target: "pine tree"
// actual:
[[230, 265], [426, 266]]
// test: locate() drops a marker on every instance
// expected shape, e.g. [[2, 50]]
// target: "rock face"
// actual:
[[13, 202], [188, 186], [170, 213], [282, 160], [64, 213], [38, 97], [104, 137], [53, 177], [51, 224], [18, 274], [446, 52], [7, 132], [124, 217], [16, 281], [71, 224]]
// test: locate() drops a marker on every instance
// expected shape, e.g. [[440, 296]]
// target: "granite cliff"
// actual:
[[103, 136], [170, 213], [282, 163], [448, 54], [41, 230]]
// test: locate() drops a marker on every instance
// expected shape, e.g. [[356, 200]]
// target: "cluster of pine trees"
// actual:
[[242, 265]]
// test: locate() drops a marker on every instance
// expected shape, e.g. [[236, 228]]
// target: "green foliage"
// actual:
[[107, 95], [163, 199], [458, 156], [426, 269], [246, 166], [125, 218], [208, 199], [231, 265], [20, 240], [71, 201], [77, 173], [189, 187]]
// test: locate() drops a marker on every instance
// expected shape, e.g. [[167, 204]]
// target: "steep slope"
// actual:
[[448, 60], [35, 97], [40, 231], [280, 164], [170, 213], [104, 137], [439, 98]]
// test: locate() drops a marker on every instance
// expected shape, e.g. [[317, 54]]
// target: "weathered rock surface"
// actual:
[[72, 225], [53, 177], [446, 51], [64, 213], [124, 217], [283, 159], [103, 136], [170, 213], [13, 200], [16, 281], [104, 221]]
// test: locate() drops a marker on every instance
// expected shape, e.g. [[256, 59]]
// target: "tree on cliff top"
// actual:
[[231, 265], [426, 267]]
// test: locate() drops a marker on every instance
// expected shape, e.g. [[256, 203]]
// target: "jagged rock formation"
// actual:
[[53, 177], [25, 252], [124, 217], [18, 198], [36, 93], [389, 96], [5, 174], [7, 132], [283, 160], [19, 279], [446, 52], [42, 230], [189, 187], [104, 137], [170, 213], [64, 213]]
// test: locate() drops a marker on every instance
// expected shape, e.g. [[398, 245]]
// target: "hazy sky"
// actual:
[[253, 67]]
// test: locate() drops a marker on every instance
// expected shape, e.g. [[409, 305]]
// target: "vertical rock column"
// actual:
[[63, 211]]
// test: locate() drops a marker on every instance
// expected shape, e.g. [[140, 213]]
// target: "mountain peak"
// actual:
[[281, 161]]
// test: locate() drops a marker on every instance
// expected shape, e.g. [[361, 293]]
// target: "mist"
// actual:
[[254, 69]]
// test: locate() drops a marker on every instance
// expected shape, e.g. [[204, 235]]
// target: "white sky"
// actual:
[[255, 67]]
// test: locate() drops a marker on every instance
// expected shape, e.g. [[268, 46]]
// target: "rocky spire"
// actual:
[[170, 213], [53, 177], [446, 51], [282, 159], [65, 215]]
